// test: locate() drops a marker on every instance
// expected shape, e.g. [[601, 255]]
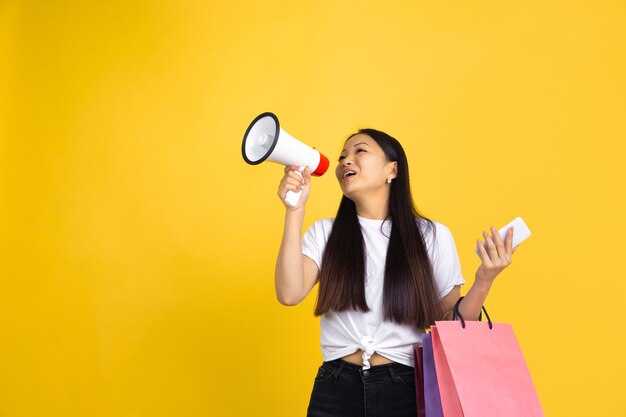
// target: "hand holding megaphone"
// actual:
[[266, 140], [295, 186]]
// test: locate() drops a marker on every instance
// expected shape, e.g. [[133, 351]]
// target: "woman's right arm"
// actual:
[[296, 274]]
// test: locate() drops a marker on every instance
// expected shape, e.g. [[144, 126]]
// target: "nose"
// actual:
[[341, 166]]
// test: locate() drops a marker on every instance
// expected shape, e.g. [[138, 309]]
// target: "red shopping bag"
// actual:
[[481, 371]]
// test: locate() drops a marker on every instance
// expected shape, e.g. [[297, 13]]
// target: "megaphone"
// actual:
[[265, 140]]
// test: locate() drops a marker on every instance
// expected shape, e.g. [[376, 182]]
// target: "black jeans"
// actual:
[[343, 389]]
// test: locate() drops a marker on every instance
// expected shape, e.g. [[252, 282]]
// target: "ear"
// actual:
[[394, 169]]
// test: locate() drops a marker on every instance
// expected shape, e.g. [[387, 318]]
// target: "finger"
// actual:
[[482, 252], [508, 243], [307, 174], [491, 247], [284, 189], [499, 243], [290, 187], [296, 182], [289, 181], [296, 176], [291, 168]]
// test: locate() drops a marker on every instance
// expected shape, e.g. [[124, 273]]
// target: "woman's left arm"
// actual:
[[495, 258]]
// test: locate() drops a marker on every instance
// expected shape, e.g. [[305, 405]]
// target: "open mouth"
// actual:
[[348, 174]]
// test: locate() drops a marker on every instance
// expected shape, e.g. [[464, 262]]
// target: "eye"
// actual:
[[358, 150]]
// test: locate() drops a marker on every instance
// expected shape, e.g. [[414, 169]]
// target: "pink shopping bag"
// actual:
[[481, 371]]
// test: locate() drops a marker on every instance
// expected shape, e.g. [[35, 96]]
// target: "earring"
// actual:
[[388, 181]]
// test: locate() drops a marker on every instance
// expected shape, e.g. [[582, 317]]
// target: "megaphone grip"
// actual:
[[292, 197]]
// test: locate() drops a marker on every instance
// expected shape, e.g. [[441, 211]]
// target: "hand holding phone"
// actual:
[[520, 233]]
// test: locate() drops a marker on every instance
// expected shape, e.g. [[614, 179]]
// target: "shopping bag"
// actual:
[[426, 389], [481, 371], [432, 401], [419, 380]]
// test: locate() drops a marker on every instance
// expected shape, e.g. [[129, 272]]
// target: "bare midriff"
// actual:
[[357, 359]]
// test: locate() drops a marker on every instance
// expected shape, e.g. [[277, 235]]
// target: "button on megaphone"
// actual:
[[265, 140]]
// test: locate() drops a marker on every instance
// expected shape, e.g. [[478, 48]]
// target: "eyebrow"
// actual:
[[360, 143]]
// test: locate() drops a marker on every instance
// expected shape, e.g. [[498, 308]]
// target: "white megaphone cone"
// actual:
[[265, 140]]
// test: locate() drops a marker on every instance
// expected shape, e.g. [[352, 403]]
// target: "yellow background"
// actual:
[[138, 249]]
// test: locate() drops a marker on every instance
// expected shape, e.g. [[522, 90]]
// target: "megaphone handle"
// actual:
[[292, 197]]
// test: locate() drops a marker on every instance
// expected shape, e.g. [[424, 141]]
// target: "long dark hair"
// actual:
[[409, 293]]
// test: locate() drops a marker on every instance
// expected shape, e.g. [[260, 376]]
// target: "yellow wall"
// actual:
[[138, 249]]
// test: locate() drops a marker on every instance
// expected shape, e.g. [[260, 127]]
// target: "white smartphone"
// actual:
[[521, 232]]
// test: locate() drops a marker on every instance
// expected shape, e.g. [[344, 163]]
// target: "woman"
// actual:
[[387, 274]]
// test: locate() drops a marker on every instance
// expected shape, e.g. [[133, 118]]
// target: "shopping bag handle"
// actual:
[[456, 312]]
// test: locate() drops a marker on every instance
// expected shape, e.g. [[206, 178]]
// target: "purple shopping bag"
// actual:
[[432, 399]]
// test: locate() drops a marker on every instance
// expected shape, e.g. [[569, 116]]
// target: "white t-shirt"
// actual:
[[345, 332]]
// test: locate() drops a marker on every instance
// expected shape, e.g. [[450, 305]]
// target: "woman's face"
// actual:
[[362, 166]]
